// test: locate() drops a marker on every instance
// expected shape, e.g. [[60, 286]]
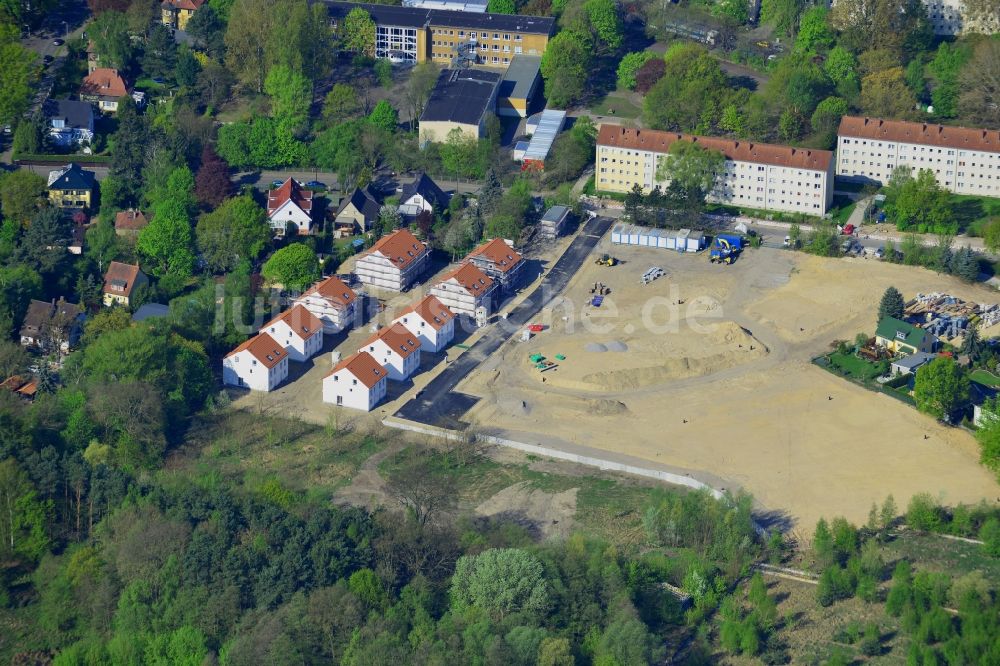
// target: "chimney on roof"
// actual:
[[866, 121]]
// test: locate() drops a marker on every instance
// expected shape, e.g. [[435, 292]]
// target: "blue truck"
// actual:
[[725, 248]]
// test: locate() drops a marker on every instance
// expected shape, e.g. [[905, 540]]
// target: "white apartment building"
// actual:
[[394, 262], [431, 321], [259, 364], [395, 349], [951, 17], [358, 382], [299, 331], [964, 160], [332, 302], [465, 289], [757, 175]]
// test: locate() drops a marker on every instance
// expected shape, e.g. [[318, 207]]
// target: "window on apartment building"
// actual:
[[517, 38], [506, 37], [518, 50]]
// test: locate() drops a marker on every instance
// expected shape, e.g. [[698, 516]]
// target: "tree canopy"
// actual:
[[294, 266]]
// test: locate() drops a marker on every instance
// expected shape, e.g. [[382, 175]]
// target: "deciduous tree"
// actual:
[[212, 183], [384, 117], [109, 33], [691, 170], [234, 231], [630, 65], [294, 266], [17, 70], [979, 99], [21, 194], [500, 581], [357, 32], [565, 68], [940, 387], [252, 23]]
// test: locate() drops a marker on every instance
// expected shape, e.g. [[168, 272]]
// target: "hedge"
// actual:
[[82, 160]]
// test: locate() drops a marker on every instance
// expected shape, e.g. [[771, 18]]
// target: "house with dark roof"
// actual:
[[358, 382], [462, 100], [359, 211], [395, 261], [71, 122], [121, 282], [71, 187], [423, 194], [259, 364], [901, 337], [104, 87], [49, 326], [290, 204]]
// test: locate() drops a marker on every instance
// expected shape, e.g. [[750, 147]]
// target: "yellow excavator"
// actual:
[[606, 260]]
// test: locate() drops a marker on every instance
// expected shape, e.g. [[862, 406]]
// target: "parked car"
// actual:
[[315, 185], [47, 59], [158, 80], [58, 42], [277, 183]]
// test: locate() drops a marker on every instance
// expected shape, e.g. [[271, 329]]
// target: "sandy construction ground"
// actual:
[[708, 369]]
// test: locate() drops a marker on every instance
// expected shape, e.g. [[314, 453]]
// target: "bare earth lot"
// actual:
[[729, 388]]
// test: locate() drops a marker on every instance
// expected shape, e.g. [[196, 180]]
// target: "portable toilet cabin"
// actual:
[[618, 234], [633, 235], [681, 240], [695, 241]]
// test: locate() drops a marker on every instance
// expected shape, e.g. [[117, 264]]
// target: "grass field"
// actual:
[[614, 104], [854, 366], [984, 377]]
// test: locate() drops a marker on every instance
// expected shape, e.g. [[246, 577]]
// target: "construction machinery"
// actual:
[[607, 260], [725, 248]]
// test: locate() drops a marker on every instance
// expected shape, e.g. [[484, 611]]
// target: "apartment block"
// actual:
[[757, 175], [963, 160], [459, 38]]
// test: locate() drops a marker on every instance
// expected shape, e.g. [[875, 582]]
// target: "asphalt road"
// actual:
[[438, 404]]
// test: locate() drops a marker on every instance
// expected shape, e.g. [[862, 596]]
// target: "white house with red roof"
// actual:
[[500, 261], [396, 349], [465, 289], [332, 302], [431, 321], [290, 203], [394, 262], [358, 382], [298, 330], [259, 364]]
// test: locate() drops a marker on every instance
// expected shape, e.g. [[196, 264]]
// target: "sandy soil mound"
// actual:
[[606, 407], [551, 514]]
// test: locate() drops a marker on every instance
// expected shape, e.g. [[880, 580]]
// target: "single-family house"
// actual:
[[358, 211], [358, 382], [176, 13], [396, 349], [71, 187], [394, 262], [71, 122], [259, 364], [903, 338], [130, 222], [51, 325], [422, 195], [500, 261], [909, 365], [332, 302], [290, 204], [104, 87], [465, 289], [298, 330], [120, 283], [23, 387], [431, 321]]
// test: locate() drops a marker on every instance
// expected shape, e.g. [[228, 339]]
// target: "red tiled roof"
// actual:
[[400, 247], [130, 220], [432, 311], [290, 189], [302, 322], [334, 290], [397, 338], [190, 5], [263, 348], [471, 278], [104, 82], [121, 278], [501, 255], [928, 134], [739, 150], [363, 366]]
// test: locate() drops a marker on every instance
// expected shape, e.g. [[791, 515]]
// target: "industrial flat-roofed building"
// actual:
[[963, 160], [462, 99], [519, 86], [757, 175], [477, 6], [418, 34]]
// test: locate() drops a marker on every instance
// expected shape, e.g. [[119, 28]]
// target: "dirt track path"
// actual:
[[367, 488]]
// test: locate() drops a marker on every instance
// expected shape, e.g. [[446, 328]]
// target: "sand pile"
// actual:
[[613, 346], [606, 407], [596, 347], [549, 513]]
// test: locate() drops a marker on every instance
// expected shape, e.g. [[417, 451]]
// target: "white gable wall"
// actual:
[[344, 389], [245, 371]]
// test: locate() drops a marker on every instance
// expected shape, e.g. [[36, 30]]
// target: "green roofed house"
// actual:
[[902, 338]]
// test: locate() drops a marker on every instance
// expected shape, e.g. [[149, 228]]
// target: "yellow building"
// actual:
[[463, 100], [451, 38], [71, 187], [177, 13]]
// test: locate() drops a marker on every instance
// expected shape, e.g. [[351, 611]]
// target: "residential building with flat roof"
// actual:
[[756, 175], [962, 159], [520, 85], [419, 34]]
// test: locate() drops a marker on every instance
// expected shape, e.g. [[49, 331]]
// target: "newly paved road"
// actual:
[[438, 404]]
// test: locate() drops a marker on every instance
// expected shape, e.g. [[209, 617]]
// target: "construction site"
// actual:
[[706, 369]]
